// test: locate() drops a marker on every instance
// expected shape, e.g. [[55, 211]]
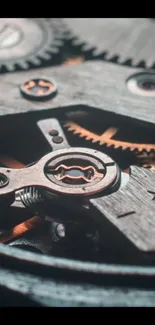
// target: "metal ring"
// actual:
[[46, 88], [92, 157]]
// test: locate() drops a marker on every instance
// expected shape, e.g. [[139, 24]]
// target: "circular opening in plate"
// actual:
[[142, 84]]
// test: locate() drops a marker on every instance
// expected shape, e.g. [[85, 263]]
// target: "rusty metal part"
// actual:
[[69, 172], [106, 138], [38, 89], [39, 176], [20, 229]]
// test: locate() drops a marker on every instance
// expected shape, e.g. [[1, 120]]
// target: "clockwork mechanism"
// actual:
[[44, 188], [129, 143], [77, 160], [107, 38], [22, 48]]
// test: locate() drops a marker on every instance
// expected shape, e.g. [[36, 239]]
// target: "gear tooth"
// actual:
[[94, 140], [105, 139], [68, 35], [24, 65], [140, 149], [142, 64], [108, 56], [101, 142], [97, 52], [146, 64], [117, 146], [125, 148], [75, 132], [70, 129], [76, 42], [114, 58], [54, 50], [58, 42], [11, 67], [88, 138], [108, 145], [87, 47], [122, 147], [46, 56], [136, 62], [67, 125], [35, 61]]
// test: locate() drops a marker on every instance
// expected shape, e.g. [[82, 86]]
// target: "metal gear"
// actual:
[[106, 138], [25, 41], [125, 40]]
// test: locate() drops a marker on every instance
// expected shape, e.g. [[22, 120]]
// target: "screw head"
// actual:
[[53, 132], [57, 139], [38, 89], [3, 180]]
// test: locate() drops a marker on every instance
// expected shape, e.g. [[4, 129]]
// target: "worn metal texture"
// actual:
[[97, 84], [101, 86], [61, 294], [50, 281]]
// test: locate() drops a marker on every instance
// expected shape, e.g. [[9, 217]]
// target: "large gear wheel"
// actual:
[[125, 40], [106, 138], [28, 41]]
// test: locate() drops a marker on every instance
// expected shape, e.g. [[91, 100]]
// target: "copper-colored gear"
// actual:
[[106, 138]]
